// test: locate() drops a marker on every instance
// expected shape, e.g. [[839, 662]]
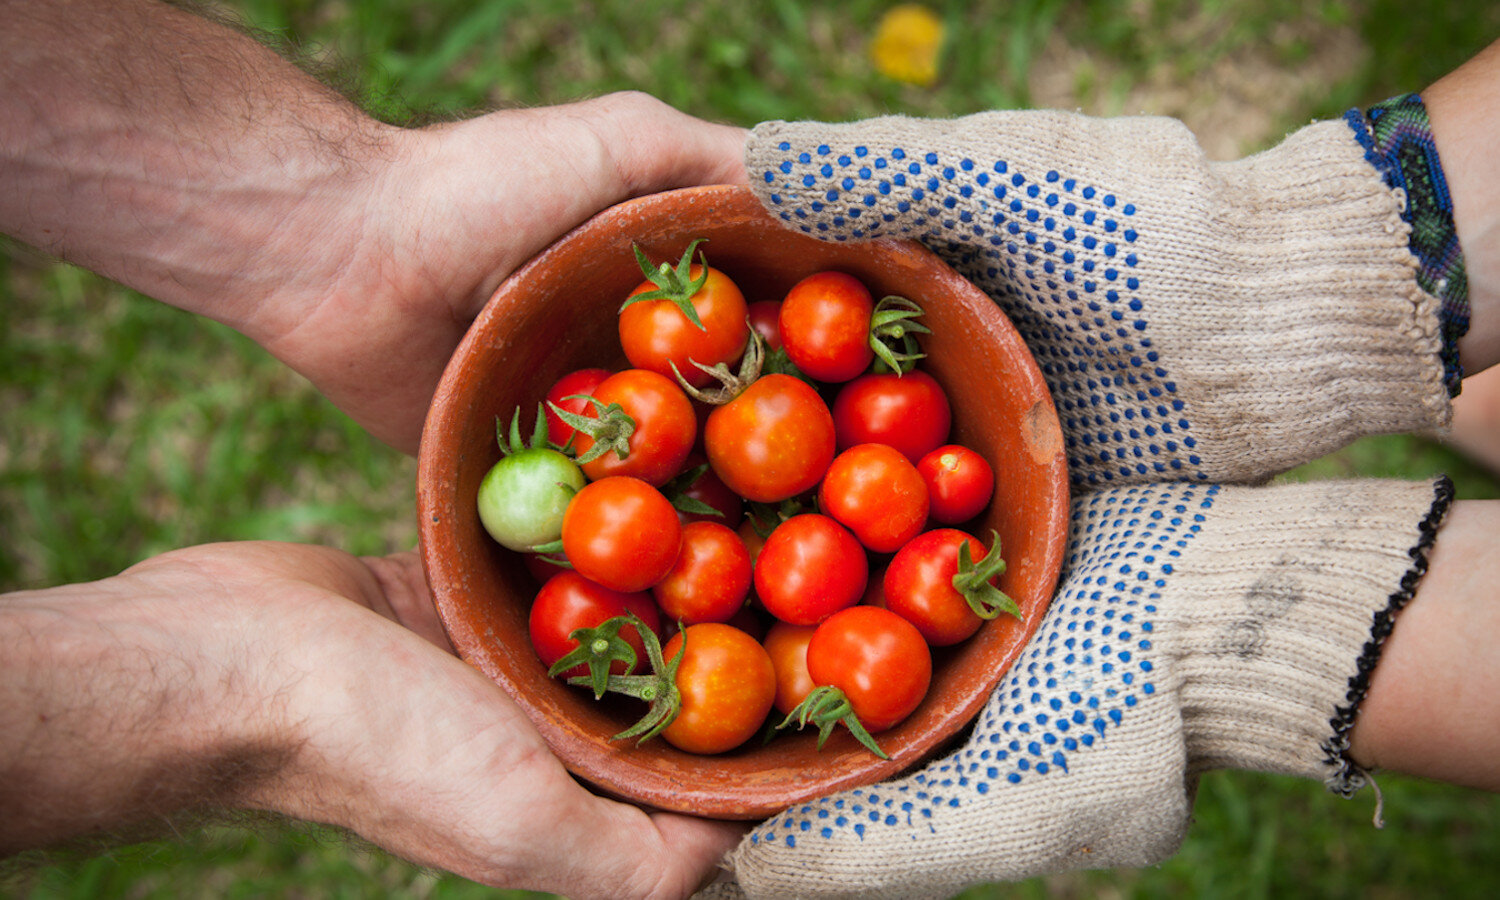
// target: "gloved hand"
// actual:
[[1195, 320], [1198, 627], [1197, 323]]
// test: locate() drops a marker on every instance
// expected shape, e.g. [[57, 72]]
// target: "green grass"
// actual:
[[130, 428]]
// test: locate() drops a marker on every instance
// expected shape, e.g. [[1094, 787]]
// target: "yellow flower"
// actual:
[[906, 44]]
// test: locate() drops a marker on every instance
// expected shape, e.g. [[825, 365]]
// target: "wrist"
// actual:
[[1276, 650], [1463, 107], [1398, 140], [126, 701], [302, 241]]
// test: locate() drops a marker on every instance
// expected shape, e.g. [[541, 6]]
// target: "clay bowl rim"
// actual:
[[755, 781]]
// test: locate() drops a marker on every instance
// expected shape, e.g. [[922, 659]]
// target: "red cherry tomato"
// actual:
[[657, 335], [825, 326], [959, 483], [765, 318], [574, 384], [877, 659], [622, 533], [909, 412], [809, 568], [710, 579], [787, 646], [568, 601], [665, 428], [919, 586], [727, 685], [774, 441], [875, 492]]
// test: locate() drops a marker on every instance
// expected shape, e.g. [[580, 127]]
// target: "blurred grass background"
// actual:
[[130, 428]]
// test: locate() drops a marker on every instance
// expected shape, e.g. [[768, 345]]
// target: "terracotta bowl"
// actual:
[[557, 314]]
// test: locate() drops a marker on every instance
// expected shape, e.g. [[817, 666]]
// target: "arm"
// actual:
[[1432, 710], [1197, 322], [109, 723], [1464, 107], [279, 677], [185, 160]]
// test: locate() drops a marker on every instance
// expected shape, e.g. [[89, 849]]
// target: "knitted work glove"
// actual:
[[1195, 320], [1197, 627]]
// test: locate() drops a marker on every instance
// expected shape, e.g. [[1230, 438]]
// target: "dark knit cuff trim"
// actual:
[[1398, 142], [1347, 776]]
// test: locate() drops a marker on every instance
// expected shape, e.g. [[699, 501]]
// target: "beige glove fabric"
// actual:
[[1198, 626], [1196, 320]]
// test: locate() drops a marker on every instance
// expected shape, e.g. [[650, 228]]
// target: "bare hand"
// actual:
[[458, 209], [303, 680]]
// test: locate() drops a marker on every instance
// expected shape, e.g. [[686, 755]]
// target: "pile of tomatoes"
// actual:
[[739, 514]]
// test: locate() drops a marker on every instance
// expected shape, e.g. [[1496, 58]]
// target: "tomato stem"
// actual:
[[731, 384], [598, 648], [826, 706], [610, 429], [675, 285], [510, 441], [764, 517], [974, 581], [658, 688], [892, 334], [778, 362]]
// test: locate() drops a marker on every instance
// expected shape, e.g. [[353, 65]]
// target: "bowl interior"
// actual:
[[557, 314]]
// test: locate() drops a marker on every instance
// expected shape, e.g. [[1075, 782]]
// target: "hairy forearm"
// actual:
[[173, 154], [110, 721]]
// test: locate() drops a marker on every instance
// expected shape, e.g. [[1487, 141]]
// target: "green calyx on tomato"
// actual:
[[676, 491], [599, 648], [675, 285], [973, 581], [892, 335], [779, 363], [510, 441], [522, 498], [611, 429], [731, 384], [826, 706], [764, 517], [659, 689]]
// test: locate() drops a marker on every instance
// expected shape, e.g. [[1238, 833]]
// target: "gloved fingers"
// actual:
[[1197, 627], [1194, 320]]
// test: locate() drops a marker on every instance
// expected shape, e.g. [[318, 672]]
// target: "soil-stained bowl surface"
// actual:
[[557, 314]]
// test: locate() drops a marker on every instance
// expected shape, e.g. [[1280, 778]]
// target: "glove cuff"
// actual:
[[1278, 640]]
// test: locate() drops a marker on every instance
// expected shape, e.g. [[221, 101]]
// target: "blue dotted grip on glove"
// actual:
[[1057, 254], [1086, 672]]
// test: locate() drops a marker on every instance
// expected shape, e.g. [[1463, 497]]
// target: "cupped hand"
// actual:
[[396, 739], [453, 210]]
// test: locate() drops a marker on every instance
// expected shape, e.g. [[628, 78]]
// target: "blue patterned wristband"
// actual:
[[1397, 138]]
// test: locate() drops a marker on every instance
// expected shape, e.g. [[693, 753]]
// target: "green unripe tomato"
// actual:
[[523, 496]]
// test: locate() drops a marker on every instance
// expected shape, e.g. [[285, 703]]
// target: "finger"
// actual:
[[630, 853], [655, 147], [407, 597], [705, 841]]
